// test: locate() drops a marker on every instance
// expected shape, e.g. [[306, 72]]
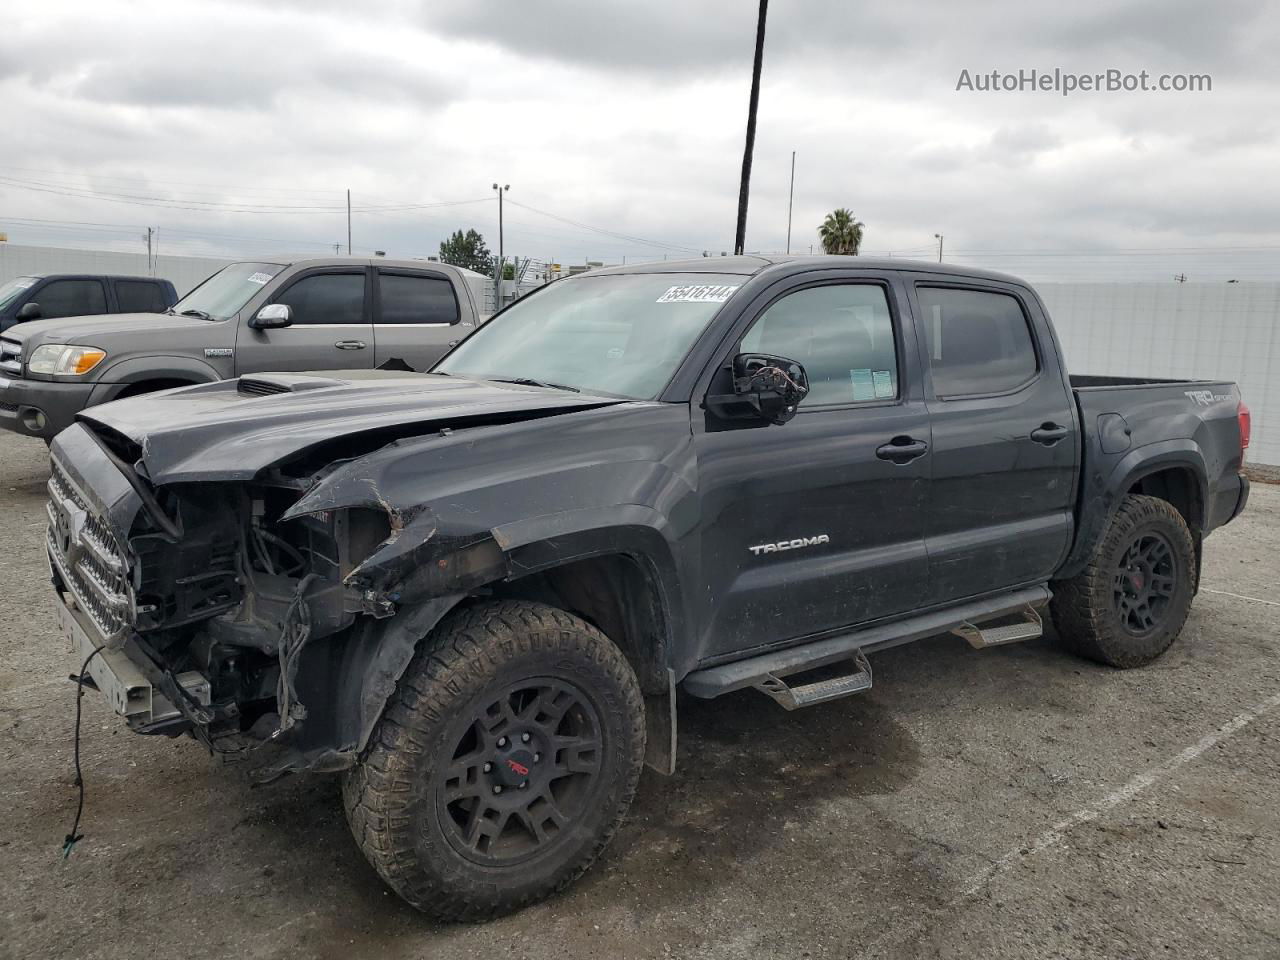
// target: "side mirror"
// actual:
[[29, 311], [764, 387], [272, 317]]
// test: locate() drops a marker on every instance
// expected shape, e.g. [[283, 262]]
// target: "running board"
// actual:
[[1030, 627], [776, 664], [857, 680]]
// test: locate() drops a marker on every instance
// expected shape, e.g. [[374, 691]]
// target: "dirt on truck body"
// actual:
[[475, 591]]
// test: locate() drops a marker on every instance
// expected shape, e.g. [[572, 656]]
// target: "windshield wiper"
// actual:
[[530, 382], [197, 313]]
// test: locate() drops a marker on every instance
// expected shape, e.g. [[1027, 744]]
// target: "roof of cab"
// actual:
[[757, 263], [294, 259]]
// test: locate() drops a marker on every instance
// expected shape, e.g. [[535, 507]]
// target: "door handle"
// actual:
[[1049, 433], [902, 450], [350, 344]]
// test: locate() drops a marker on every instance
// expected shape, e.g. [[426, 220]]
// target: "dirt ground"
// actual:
[[1013, 803]]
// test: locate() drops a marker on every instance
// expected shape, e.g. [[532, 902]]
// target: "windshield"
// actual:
[[620, 335], [15, 288], [223, 294]]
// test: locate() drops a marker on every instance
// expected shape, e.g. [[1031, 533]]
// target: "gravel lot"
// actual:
[[1011, 803]]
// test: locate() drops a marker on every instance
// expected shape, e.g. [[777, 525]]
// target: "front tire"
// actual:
[[1131, 601], [503, 764]]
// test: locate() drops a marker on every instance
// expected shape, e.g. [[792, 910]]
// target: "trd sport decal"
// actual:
[[795, 544]]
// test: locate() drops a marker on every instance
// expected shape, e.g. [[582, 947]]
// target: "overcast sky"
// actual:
[[629, 117]]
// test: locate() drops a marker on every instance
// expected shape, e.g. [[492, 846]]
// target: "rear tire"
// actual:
[[1131, 601], [503, 764]]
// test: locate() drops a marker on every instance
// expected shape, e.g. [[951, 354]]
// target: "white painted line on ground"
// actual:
[[1240, 596], [1055, 834]]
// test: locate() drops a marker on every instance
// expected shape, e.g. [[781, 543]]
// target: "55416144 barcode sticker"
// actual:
[[698, 293]]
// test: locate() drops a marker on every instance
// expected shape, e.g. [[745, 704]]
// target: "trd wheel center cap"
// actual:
[[514, 768]]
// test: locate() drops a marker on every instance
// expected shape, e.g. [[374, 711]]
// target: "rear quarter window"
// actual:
[[139, 296]]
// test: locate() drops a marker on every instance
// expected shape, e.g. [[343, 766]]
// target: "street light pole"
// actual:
[[791, 196], [938, 237], [744, 190], [497, 272]]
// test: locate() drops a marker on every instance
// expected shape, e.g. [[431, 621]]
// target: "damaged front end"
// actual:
[[248, 612]]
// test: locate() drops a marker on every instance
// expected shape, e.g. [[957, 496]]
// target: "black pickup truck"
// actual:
[[475, 592]]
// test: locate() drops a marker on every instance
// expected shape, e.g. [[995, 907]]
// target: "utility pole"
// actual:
[[497, 272], [744, 190], [938, 237], [150, 264], [791, 196], [1181, 278], [348, 221], [337, 249]]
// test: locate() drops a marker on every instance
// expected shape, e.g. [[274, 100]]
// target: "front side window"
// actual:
[[979, 342], [139, 296], [71, 298], [841, 334], [405, 298], [620, 335], [326, 298], [225, 293]]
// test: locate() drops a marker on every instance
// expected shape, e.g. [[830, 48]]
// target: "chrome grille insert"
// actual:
[[11, 357], [87, 556]]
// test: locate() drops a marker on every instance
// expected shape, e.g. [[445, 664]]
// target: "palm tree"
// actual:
[[841, 232]]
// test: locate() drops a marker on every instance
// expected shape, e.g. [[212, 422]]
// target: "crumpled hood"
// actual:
[[90, 330], [232, 429]]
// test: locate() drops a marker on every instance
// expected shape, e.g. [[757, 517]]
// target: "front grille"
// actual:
[[87, 556], [11, 357], [260, 388]]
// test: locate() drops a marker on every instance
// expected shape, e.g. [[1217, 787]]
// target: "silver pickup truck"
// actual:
[[279, 314]]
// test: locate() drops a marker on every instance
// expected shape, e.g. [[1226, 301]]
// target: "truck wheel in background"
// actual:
[[503, 764], [1129, 604]]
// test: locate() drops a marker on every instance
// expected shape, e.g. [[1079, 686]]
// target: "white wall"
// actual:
[[17, 260], [1214, 331]]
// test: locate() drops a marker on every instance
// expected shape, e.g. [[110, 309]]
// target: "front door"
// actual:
[[818, 523], [417, 318], [331, 329], [1004, 440]]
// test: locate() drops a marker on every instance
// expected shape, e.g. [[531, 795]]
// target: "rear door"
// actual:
[[1004, 438], [818, 523], [332, 326], [140, 296], [417, 317]]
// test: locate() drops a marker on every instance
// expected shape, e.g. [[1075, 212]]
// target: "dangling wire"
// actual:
[[72, 838]]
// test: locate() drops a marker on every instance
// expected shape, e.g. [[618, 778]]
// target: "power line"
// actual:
[[610, 233]]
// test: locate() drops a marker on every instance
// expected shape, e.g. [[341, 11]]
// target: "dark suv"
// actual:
[[80, 295]]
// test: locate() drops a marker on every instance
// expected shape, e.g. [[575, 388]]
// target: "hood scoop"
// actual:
[[276, 383]]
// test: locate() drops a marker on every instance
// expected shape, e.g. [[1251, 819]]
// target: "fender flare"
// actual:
[[120, 376], [1097, 509]]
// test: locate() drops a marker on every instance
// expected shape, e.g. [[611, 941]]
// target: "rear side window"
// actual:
[[138, 296], [415, 299], [71, 298], [326, 298], [979, 342], [843, 336]]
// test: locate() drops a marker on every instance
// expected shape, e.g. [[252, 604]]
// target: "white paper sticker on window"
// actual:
[[882, 380], [259, 278], [698, 293], [863, 388]]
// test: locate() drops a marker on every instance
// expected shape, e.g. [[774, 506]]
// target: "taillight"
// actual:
[[1245, 420]]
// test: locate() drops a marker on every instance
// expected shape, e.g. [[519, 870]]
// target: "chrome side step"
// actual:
[[981, 637], [858, 680], [754, 671]]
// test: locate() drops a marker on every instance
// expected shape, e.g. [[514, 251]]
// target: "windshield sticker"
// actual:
[[259, 278], [882, 380], [698, 293]]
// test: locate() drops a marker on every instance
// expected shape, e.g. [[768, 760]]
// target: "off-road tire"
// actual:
[[395, 812], [1084, 608]]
